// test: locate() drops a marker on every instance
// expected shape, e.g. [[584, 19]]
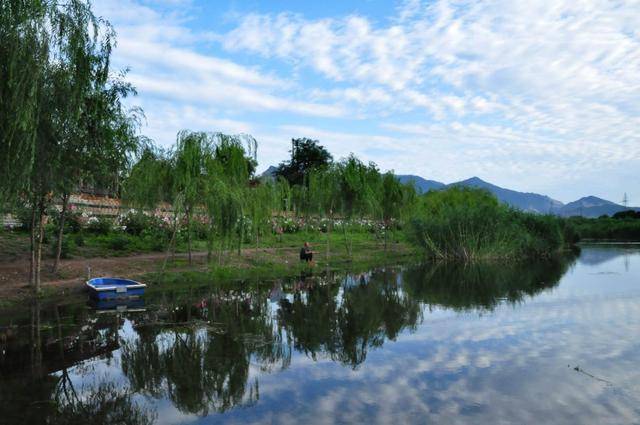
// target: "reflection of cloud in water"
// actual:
[[467, 368], [480, 344], [597, 254]]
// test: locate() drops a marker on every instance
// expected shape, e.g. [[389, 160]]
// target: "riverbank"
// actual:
[[279, 257]]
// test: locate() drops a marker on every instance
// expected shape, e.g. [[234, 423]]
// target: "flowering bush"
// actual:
[[99, 226], [296, 224], [72, 220], [136, 222]]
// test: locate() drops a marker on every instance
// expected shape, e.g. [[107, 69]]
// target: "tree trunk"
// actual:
[[241, 235], [386, 229], [63, 216], [32, 262], [210, 242], [171, 242], [189, 233], [39, 246], [220, 252], [347, 241], [329, 225]]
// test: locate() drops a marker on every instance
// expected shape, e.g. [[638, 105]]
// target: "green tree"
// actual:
[[24, 52], [192, 149], [306, 155], [359, 190], [324, 197], [57, 111]]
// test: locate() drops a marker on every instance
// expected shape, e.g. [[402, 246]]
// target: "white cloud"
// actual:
[[162, 52], [497, 88]]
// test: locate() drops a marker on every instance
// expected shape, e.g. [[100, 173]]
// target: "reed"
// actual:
[[470, 224]]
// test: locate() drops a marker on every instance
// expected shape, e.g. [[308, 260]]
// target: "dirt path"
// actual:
[[14, 276]]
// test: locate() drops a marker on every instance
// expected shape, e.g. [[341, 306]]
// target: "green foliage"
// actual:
[[78, 239], [99, 226], [359, 188], [62, 120], [150, 181], [118, 242], [72, 221], [621, 215], [136, 223], [470, 224], [307, 155], [606, 228], [23, 46], [67, 248]]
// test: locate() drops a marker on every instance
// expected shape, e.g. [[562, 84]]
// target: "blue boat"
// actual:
[[107, 288], [119, 305]]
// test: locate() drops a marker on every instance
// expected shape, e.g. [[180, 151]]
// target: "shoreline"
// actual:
[[263, 263]]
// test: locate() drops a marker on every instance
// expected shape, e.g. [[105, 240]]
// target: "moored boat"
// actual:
[[104, 288]]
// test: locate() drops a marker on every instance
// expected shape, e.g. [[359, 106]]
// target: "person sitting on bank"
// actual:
[[306, 254]]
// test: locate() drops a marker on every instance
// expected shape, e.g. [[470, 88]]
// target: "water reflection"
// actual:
[[464, 287], [208, 352], [37, 356]]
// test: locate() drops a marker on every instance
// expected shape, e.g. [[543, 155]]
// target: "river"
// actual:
[[553, 342]]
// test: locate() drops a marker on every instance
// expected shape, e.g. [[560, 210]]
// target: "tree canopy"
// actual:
[[306, 155]]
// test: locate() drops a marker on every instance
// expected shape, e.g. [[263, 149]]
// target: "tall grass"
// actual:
[[470, 224]]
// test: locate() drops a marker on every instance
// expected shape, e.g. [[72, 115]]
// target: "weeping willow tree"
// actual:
[[261, 201], [283, 193], [359, 192], [56, 100], [24, 52], [324, 197], [150, 181], [192, 150], [227, 199], [98, 134], [206, 176], [396, 201]]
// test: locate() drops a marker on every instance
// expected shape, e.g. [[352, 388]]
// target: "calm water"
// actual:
[[546, 343]]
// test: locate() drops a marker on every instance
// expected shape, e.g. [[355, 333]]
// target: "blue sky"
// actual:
[[537, 96]]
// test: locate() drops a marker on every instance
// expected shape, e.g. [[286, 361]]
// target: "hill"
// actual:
[[524, 201], [592, 206], [423, 185]]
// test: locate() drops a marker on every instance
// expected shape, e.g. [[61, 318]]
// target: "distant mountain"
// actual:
[[592, 206], [531, 202], [269, 173], [423, 185]]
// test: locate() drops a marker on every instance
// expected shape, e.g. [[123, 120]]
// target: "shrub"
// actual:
[[199, 230], [469, 224], [72, 221], [99, 226], [134, 222], [118, 242], [66, 250], [23, 213], [78, 239]]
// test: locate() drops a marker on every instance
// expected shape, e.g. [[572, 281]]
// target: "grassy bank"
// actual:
[[275, 257]]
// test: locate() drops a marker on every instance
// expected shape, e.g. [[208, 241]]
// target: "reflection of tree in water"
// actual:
[[481, 286], [103, 403], [370, 309], [35, 385], [201, 355], [204, 364]]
